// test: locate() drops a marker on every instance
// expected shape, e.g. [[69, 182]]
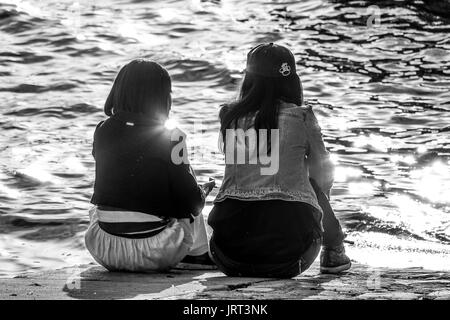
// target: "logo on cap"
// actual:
[[285, 69]]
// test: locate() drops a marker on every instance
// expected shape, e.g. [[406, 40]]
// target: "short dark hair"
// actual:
[[141, 86]]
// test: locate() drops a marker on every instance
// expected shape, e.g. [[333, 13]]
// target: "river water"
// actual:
[[376, 73]]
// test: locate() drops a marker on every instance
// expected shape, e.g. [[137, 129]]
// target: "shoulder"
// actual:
[[295, 110], [99, 126], [310, 118], [304, 112]]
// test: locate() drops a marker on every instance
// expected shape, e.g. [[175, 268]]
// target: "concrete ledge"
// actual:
[[94, 282]]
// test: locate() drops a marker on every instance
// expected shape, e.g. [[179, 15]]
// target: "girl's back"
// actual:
[[131, 165], [266, 218], [147, 208], [297, 153]]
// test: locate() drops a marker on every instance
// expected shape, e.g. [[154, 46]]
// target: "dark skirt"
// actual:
[[271, 238]]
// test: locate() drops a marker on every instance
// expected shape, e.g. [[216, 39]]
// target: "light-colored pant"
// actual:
[[157, 253]]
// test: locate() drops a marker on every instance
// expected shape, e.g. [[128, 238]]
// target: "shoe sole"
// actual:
[[334, 270]]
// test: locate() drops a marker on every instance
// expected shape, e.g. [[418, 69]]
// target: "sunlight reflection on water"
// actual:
[[376, 142], [37, 171], [9, 192], [383, 250], [380, 94], [433, 182]]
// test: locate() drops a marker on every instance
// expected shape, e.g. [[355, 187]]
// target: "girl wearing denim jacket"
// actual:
[[272, 214]]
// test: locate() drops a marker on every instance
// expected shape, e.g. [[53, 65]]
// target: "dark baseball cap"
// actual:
[[270, 60]]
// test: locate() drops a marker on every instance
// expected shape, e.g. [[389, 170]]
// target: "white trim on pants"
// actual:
[[156, 253]]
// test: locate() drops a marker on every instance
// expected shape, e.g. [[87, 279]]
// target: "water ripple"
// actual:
[[379, 89]]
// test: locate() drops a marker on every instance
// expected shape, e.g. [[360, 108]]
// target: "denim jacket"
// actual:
[[301, 155]]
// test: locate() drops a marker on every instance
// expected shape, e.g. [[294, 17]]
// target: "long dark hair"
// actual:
[[141, 86], [260, 95]]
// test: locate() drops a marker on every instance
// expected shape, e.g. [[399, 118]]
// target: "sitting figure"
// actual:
[[147, 213]]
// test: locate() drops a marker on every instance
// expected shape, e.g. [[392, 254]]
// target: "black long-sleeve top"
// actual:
[[134, 170]]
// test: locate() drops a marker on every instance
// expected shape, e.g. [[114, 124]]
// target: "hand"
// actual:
[[208, 186]]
